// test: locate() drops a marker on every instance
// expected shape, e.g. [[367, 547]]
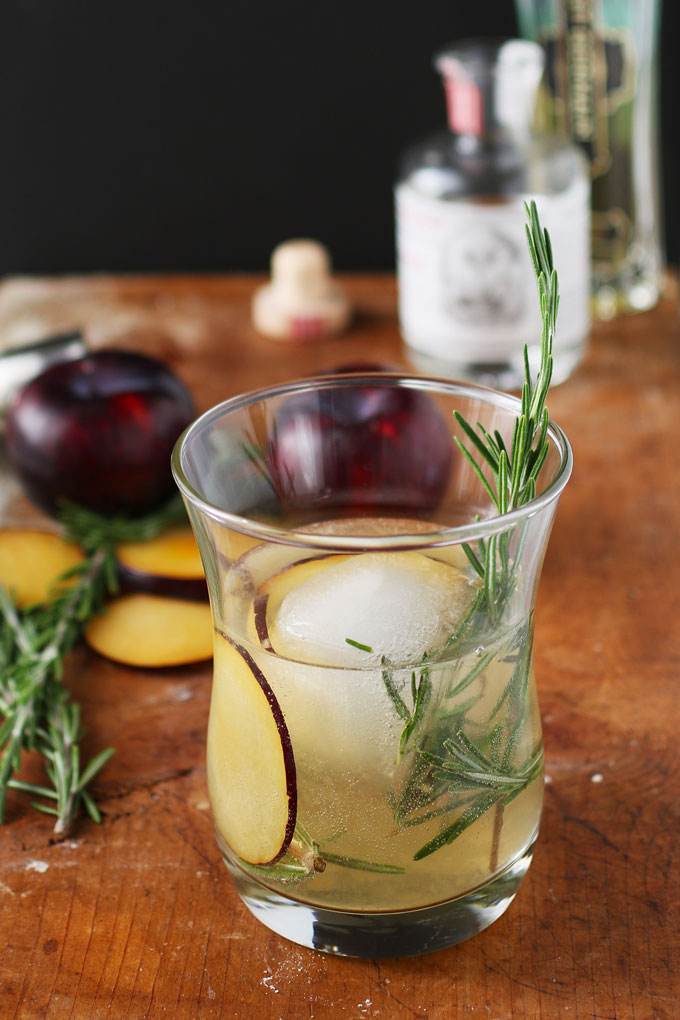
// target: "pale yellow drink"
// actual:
[[386, 817]]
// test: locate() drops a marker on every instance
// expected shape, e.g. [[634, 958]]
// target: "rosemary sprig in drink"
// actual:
[[304, 857], [451, 774], [514, 471], [464, 770], [36, 710]]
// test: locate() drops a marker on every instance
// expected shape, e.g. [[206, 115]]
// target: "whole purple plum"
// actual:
[[363, 448], [99, 431]]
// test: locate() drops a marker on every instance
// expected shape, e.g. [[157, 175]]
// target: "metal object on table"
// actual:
[[20, 364]]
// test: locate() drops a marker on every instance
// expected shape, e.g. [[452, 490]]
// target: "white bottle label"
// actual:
[[467, 291]]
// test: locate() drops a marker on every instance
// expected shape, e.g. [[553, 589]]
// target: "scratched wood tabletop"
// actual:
[[137, 917]]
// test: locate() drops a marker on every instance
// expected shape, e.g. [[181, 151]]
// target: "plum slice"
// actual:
[[152, 631], [251, 766], [271, 593], [169, 564], [32, 561]]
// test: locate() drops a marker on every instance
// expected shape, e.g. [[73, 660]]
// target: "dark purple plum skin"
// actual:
[[99, 431], [193, 589], [365, 449]]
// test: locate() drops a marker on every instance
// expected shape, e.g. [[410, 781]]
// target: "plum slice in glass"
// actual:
[[251, 767]]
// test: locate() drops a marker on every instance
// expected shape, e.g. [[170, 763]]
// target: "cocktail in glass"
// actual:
[[374, 758]]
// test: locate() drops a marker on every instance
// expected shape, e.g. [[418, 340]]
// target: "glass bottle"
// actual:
[[467, 293], [600, 88]]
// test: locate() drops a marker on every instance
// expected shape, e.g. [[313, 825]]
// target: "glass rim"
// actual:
[[445, 536]]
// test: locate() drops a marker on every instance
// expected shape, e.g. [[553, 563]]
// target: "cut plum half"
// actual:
[[151, 631], [31, 562], [351, 611], [251, 766], [169, 564]]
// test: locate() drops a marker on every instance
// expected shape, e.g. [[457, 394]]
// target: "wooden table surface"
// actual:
[[137, 918]]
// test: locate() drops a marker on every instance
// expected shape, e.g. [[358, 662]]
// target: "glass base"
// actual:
[[387, 934], [507, 374]]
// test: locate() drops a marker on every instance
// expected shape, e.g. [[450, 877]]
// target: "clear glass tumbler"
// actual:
[[374, 753]]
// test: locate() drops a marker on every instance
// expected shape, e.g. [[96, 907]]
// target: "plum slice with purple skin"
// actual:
[[349, 611], [272, 592], [169, 564], [251, 766]]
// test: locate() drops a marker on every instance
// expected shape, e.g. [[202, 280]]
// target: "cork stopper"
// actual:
[[301, 301]]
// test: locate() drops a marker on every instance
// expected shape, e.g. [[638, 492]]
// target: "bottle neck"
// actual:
[[464, 106], [491, 91]]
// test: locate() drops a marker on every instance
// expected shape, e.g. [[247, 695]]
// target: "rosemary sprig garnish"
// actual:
[[512, 483], [36, 710], [508, 476], [421, 691], [514, 471], [465, 769], [479, 806], [452, 774]]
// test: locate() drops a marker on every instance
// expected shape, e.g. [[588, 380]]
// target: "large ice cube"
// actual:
[[400, 605]]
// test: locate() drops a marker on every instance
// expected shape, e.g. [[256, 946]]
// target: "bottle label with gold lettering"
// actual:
[[588, 95]]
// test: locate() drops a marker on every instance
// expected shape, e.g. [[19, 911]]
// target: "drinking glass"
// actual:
[[374, 751]]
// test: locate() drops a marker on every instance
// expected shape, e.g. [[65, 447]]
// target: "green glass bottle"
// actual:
[[600, 90]]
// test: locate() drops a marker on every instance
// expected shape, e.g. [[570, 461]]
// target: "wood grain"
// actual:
[[137, 918]]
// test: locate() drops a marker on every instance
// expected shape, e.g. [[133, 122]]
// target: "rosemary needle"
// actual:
[[36, 710]]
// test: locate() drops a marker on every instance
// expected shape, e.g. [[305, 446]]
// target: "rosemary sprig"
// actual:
[[93, 531], [509, 478], [420, 695], [359, 865], [465, 769], [36, 711], [451, 774], [421, 692], [304, 857], [514, 472]]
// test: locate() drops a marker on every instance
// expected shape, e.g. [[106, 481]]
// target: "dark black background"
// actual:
[[176, 135]]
